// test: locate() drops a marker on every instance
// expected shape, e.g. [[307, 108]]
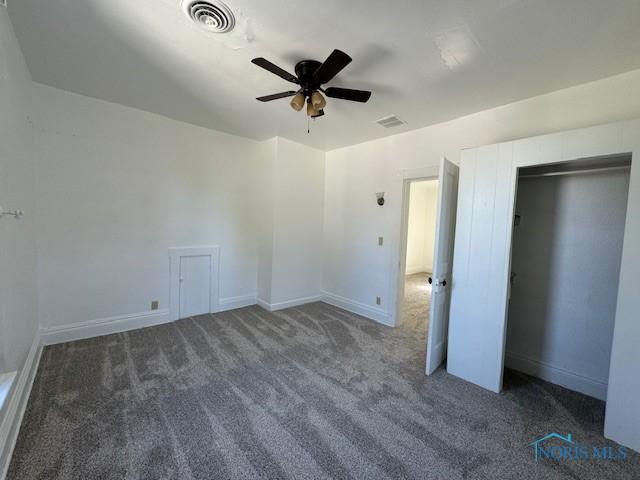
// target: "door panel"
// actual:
[[442, 265], [481, 267], [195, 285]]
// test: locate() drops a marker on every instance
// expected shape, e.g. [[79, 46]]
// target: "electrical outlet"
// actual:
[[378, 301], [380, 241], [155, 304]]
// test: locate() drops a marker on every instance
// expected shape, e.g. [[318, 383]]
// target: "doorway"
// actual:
[[567, 241], [420, 235]]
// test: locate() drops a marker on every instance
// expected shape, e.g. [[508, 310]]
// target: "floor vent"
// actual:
[[390, 121], [210, 15]]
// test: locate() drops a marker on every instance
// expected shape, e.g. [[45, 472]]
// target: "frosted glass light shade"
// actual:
[[297, 102], [318, 101], [310, 110]]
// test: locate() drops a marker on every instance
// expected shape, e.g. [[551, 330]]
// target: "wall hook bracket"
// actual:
[[15, 213]]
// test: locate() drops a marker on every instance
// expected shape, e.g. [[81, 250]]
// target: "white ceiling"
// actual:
[[425, 61]]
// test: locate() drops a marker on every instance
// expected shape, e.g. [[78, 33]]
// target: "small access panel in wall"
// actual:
[[194, 281]]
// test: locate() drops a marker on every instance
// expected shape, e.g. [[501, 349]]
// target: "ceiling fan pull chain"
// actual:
[[308, 126]]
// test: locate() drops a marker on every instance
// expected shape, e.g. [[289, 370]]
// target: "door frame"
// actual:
[[175, 254], [399, 257]]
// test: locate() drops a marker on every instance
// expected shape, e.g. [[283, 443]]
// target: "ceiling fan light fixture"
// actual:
[[297, 102], [318, 100], [311, 110], [310, 76]]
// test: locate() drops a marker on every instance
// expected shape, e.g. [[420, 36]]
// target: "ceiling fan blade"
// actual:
[[348, 94], [267, 65], [276, 96], [319, 114], [331, 66]]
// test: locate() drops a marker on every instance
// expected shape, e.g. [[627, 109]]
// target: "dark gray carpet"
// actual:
[[308, 392]]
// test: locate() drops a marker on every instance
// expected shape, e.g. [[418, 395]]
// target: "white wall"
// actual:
[[18, 306], [18, 312], [421, 226], [266, 173], [291, 272], [566, 257], [299, 205], [116, 188], [356, 270]]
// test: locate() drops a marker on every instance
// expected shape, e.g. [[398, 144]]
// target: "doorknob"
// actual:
[[182, 279]]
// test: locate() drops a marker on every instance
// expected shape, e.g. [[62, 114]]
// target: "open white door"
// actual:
[[442, 265]]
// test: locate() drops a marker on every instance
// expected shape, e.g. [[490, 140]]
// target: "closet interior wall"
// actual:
[[567, 247]]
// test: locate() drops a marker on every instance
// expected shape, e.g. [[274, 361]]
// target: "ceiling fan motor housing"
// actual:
[[305, 71]]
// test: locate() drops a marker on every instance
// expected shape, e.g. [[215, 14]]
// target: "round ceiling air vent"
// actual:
[[210, 15]]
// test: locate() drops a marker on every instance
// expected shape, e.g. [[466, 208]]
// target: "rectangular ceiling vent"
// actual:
[[390, 121]]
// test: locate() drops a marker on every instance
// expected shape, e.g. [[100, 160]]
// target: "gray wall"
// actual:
[[18, 302], [566, 257]]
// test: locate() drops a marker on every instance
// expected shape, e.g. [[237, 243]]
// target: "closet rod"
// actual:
[[576, 172]]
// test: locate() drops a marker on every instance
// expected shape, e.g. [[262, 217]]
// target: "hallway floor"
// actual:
[[417, 301]]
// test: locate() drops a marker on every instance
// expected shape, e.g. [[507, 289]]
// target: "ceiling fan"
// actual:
[[310, 76]]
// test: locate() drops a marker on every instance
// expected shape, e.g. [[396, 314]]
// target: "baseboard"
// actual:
[[358, 308], [559, 376], [10, 426], [231, 303], [272, 307], [124, 323], [104, 326], [414, 270], [263, 303]]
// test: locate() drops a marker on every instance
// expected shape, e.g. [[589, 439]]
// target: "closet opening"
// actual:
[[565, 265]]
